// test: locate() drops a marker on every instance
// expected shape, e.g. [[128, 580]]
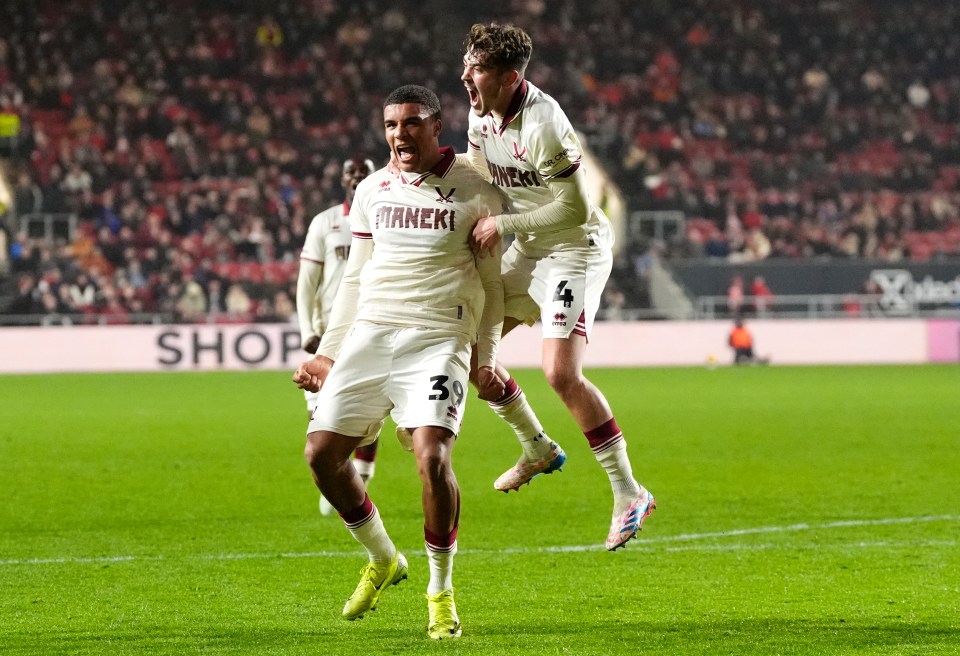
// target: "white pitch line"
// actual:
[[652, 541], [731, 533], [849, 545], [807, 527]]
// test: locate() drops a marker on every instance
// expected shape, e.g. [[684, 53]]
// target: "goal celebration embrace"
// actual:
[[516, 328], [423, 304]]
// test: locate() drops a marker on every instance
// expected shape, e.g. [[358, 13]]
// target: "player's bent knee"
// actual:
[[311, 453], [319, 452], [433, 468], [563, 380]]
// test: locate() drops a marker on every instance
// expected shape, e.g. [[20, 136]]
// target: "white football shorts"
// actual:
[[563, 290], [418, 376]]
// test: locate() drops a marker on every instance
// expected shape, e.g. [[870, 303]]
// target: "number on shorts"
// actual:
[[563, 294], [457, 393], [442, 393], [439, 385]]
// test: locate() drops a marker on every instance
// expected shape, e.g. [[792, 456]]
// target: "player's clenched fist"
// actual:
[[489, 385], [311, 373], [485, 237]]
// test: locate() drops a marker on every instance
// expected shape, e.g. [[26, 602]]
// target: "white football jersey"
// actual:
[[327, 243], [422, 272], [534, 145]]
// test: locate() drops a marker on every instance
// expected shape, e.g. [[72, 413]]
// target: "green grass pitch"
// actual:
[[802, 510]]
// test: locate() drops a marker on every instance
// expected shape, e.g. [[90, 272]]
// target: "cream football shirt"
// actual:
[[328, 244], [533, 147], [421, 271]]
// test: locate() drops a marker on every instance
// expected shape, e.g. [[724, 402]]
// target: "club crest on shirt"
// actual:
[[445, 198], [519, 155]]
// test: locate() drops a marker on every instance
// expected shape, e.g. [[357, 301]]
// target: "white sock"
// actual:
[[521, 418], [371, 533], [441, 568], [364, 468], [615, 462]]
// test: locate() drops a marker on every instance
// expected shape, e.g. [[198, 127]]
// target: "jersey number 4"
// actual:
[[563, 294]]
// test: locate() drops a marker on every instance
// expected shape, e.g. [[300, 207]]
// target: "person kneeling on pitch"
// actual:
[[425, 299]]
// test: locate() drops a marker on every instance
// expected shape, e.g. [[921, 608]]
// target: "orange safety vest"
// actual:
[[740, 338]]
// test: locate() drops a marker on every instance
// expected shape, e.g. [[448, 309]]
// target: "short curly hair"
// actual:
[[415, 94], [504, 47]]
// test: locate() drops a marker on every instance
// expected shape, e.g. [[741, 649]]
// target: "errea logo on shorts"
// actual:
[[559, 319], [452, 411]]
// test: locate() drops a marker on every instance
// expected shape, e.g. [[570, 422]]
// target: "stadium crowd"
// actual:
[[195, 142]]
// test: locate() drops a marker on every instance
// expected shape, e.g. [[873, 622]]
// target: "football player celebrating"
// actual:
[[414, 299], [555, 269], [322, 260]]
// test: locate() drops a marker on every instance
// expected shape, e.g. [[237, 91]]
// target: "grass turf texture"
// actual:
[[802, 511]]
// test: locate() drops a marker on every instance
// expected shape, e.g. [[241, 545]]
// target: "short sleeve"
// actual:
[[556, 150]]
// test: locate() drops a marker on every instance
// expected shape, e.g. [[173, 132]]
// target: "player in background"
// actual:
[[414, 300], [322, 260], [557, 265]]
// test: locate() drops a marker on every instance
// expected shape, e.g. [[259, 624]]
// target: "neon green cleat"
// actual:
[[374, 579], [444, 623]]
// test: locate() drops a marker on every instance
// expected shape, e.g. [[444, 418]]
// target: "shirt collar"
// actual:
[[440, 169], [515, 104]]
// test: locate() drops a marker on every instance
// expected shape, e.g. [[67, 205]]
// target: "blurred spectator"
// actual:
[[82, 292], [192, 305], [4, 250], [735, 295], [614, 302], [27, 298], [223, 121], [216, 303], [284, 307], [269, 34], [10, 128], [77, 180], [237, 302], [27, 195], [762, 295]]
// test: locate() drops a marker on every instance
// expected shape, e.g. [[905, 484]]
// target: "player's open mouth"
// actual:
[[406, 154], [474, 97]]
